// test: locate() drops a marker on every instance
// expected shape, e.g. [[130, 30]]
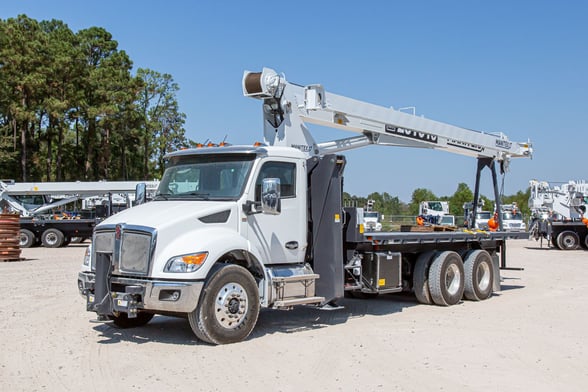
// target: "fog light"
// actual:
[[169, 295]]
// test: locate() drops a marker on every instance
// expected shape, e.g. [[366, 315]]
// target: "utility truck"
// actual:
[[512, 218], [558, 213], [37, 201], [479, 220], [234, 229], [371, 218], [436, 212]]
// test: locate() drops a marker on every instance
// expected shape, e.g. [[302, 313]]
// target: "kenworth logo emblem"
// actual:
[[411, 134]]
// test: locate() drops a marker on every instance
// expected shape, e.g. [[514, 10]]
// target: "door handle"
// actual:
[[292, 245]]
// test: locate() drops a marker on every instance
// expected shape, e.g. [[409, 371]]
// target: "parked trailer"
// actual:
[[53, 233], [235, 229]]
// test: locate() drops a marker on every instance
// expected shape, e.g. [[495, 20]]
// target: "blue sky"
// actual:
[[517, 67]]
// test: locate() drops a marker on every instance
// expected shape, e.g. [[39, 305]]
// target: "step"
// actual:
[[298, 301], [295, 278]]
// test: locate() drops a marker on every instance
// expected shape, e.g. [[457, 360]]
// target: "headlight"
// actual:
[[88, 256], [186, 263]]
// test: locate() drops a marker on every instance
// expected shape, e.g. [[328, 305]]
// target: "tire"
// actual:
[[446, 278], [568, 240], [52, 238], [228, 306], [554, 242], [585, 244], [479, 275], [420, 277], [27, 238], [123, 320]]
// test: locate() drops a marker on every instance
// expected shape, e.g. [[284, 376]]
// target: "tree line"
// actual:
[[71, 108]]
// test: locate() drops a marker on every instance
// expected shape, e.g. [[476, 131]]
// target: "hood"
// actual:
[[162, 214]]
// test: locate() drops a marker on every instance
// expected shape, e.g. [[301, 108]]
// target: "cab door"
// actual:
[[281, 238]]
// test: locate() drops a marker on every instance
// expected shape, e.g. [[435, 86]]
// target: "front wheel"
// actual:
[[228, 307]]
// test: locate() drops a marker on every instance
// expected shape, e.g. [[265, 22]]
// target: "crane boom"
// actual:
[[288, 107]]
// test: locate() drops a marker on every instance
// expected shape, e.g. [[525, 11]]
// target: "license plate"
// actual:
[[122, 302]]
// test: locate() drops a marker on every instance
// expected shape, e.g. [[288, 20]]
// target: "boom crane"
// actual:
[[287, 107], [271, 227]]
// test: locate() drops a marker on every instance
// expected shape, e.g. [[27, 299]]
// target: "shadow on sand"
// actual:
[[174, 330]]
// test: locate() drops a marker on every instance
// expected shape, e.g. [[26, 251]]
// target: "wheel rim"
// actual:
[[24, 239], [569, 241], [452, 279], [231, 305], [483, 276], [51, 238]]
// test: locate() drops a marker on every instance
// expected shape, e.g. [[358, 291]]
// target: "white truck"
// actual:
[[478, 221], [512, 218], [371, 218], [558, 213], [237, 228], [436, 212]]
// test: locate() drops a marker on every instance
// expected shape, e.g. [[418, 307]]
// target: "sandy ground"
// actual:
[[530, 336]]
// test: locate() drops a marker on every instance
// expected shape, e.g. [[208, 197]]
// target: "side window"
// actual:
[[285, 171]]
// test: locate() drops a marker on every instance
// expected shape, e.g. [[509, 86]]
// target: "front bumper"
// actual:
[[130, 295]]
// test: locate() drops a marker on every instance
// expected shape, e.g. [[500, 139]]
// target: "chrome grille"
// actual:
[[130, 248], [135, 251]]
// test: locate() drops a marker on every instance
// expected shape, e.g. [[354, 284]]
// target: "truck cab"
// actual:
[[214, 206]]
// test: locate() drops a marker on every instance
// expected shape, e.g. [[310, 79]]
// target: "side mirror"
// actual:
[[270, 196], [140, 193]]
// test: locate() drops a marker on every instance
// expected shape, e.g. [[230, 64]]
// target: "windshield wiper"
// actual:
[[162, 196], [203, 196]]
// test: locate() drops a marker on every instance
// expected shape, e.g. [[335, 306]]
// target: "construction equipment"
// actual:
[[35, 202], [558, 213], [237, 228]]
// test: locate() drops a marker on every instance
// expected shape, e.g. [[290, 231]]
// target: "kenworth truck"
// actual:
[[233, 229]]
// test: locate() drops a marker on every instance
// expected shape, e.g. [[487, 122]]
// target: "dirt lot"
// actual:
[[531, 336]]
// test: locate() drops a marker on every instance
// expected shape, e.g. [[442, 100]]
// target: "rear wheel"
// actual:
[[479, 275], [420, 277], [568, 240], [228, 306], [26, 239], [446, 282], [52, 238]]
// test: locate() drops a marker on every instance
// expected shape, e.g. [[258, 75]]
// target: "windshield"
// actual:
[[205, 177], [371, 215], [435, 206], [483, 215], [511, 216]]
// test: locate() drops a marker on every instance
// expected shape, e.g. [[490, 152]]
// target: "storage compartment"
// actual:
[[383, 270]]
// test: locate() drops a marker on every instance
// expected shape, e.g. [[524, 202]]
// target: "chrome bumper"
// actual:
[[156, 295]]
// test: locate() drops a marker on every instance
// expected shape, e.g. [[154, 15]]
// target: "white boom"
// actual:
[[81, 188], [287, 107], [72, 191]]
